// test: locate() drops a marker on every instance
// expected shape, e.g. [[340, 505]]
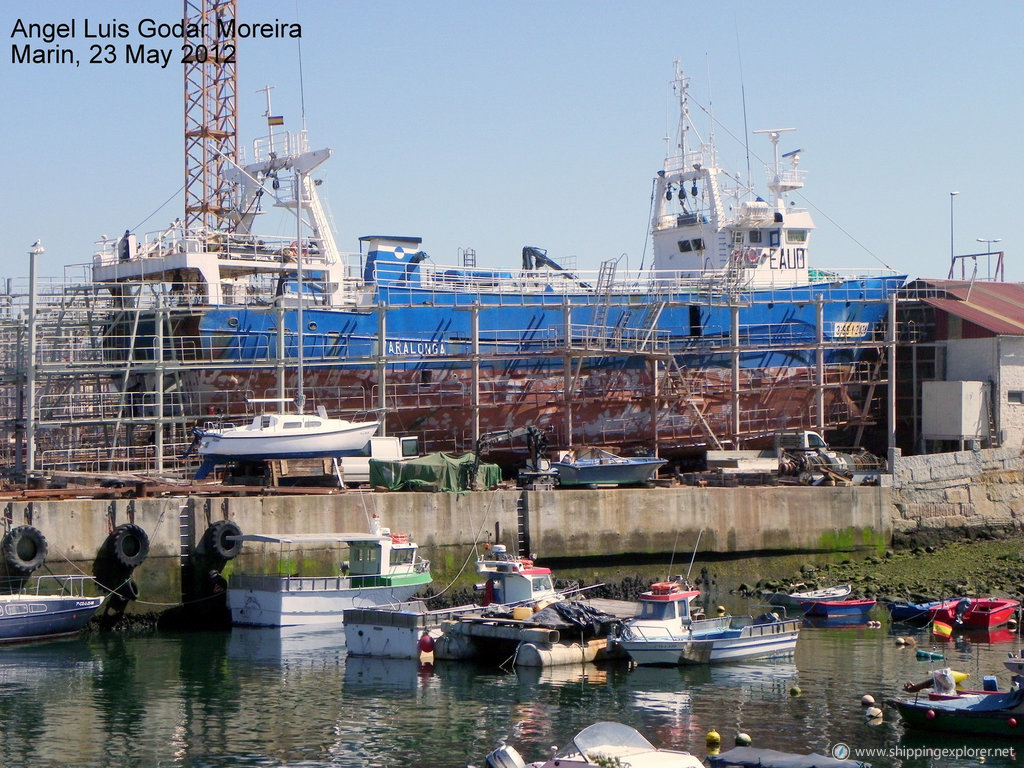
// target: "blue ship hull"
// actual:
[[434, 329]]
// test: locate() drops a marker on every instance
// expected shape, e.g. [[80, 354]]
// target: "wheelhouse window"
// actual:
[[684, 246], [1016, 397], [796, 235], [541, 583], [737, 237], [402, 556], [657, 610], [755, 236]]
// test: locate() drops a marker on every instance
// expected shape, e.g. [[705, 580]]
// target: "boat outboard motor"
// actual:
[[505, 757]]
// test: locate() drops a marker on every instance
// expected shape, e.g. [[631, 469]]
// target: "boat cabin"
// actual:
[[667, 602], [513, 579]]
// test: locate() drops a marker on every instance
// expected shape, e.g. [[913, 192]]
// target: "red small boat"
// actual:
[[976, 612], [832, 608]]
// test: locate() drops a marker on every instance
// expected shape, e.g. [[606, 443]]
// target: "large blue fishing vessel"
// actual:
[[730, 336]]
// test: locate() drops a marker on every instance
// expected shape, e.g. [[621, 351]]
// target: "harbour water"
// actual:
[[266, 698]]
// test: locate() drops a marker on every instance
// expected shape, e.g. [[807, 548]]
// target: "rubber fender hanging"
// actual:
[[217, 541], [128, 590], [24, 549], [129, 545]]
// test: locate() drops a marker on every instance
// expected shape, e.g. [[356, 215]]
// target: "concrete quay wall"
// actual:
[[566, 523], [932, 499], [938, 497]]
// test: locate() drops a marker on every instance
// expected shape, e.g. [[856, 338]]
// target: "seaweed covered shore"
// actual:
[[982, 567], [979, 567]]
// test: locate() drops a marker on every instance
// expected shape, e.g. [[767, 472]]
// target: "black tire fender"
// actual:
[[130, 545], [24, 549], [128, 590], [217, 541]]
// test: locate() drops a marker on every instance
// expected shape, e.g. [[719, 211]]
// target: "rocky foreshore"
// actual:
[[983, 567]]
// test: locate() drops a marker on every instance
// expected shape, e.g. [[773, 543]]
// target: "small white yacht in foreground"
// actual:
[[601, 744]]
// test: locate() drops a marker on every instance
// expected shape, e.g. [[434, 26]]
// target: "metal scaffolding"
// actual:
[[119, 378]]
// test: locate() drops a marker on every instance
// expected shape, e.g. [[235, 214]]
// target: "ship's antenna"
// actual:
[[269, 115], [680, 86], [711, 104], [743, 98], [302, 88]]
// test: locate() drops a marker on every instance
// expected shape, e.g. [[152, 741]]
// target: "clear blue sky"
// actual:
[[494, 125]]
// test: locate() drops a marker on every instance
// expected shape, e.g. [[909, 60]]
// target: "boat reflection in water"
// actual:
[[387, 674], [273, 645]]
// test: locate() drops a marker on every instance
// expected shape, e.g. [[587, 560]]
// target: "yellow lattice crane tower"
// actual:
[[211, 112]]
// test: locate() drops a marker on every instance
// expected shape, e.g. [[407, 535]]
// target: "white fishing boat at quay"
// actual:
[[380, 568]]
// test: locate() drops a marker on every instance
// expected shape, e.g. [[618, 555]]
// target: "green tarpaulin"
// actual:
[[444, 471]]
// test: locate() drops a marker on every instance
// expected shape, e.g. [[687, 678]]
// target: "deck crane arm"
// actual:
[[536, 443]]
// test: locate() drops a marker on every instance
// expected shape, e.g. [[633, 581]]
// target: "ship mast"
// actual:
[[211, 114]]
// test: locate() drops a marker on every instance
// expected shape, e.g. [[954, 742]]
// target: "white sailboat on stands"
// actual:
[[284, 435]]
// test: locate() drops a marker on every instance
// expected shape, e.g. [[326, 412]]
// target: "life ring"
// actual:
[[217, 539], [24, 549], [527, 562], [753, 255], [129, 545], [664, 587], [399, 538]]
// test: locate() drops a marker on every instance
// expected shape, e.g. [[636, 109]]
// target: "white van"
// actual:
[[355, 470]]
